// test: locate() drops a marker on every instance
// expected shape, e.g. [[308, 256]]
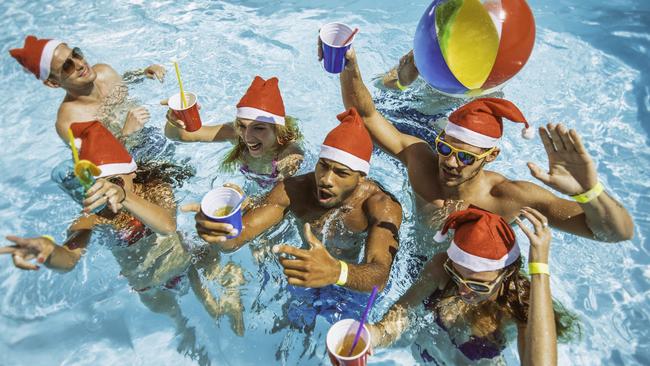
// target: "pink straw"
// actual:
[[354, 32]]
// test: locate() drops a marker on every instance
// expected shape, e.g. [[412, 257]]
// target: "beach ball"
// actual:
[[468, 48]]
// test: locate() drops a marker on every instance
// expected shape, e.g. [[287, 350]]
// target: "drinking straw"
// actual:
[[180, 85], [350, 37], [371, 301], [75, 154]]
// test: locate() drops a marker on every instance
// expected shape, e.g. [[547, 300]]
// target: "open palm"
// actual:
[[570, 168]]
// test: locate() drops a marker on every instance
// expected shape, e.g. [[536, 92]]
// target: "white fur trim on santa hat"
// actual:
[[46, 58], [259, 115], [351, 161], [528, 133], [480, 264], [440, 237], [117, 168], [470, 137]]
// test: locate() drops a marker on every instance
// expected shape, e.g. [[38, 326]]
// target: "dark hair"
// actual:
[[514, 300], [165, 171]]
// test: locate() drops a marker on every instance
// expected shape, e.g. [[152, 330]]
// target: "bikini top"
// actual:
[[476, 348], [264, 180]]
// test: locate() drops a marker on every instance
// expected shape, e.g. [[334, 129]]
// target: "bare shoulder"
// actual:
[[382, 203], [106, 73], [291, 149]]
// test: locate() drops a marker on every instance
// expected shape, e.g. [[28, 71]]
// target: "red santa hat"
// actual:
[[36, 55], [482, 240], [98, 145], [262, 102], [480, 123], [349, 143]]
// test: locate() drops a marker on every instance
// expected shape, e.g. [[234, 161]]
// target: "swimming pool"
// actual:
[[589, 69]]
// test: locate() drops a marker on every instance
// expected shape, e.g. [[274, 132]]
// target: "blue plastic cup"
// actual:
[[332, 36], [214, 201]]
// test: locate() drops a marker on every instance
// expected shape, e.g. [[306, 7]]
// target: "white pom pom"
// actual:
[[440, 237], [528, 133]]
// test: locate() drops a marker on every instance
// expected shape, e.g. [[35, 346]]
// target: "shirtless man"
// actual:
[[453, 174], [87, 88], [338, 194]]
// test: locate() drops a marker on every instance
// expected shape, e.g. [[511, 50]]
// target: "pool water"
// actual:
[[589, 69]]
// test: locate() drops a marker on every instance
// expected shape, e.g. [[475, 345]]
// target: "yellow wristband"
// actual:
[[400, 86], [538, 268], [343, 276], [48, 237], [590, 194]]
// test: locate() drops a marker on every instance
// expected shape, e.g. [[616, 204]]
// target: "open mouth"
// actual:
[[254, 147], [324, 195], [448, 174]]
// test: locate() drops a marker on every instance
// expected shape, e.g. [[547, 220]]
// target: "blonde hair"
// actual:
[[287, 134]]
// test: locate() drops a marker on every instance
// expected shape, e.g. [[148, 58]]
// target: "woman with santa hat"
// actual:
[[266, 139], [475, 291]]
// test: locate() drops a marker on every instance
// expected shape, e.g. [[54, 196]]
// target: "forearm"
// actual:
[[65, 257], [213, 133], [355, 93], [608, 219], [133, 76], [155, 217], [363, 277], [541, 342], [391, 327]]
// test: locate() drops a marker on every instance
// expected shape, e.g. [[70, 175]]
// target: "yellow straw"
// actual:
[[180, 84], [75, 154]]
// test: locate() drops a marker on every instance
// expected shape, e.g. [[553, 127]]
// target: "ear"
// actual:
[[49, 82], [493, 156]]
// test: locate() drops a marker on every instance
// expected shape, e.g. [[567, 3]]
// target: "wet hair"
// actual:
[[286, 134], [164, 171], [511, 304], [514, 299]]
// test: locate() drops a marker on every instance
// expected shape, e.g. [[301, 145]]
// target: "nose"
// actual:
[[79, 64], [248, 134], [464, 290], [325, 180], [451, 161]]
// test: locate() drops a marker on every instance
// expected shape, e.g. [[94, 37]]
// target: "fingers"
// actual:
[[296, 282], [539, 173], [164, 102], [538, 215], [577, 142], [296, 264], [555, 136], [563, 132], [191, 207], [351, 55], [99, 184], [21, 263], [210, 237], [160, 73], [533, 220], [525, 229], [171, 118], [112, 195], [546, 140], [20, 242], [309, 235], [8, 250], [320, 49], [288, 249], [209, 227], [295, 274]]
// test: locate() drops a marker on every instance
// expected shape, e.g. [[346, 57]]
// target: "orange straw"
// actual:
[[351, 36]]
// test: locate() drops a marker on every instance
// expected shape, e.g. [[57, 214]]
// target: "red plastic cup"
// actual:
[[347, 328], [189, 115]]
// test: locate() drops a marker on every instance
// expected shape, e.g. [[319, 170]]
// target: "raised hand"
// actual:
[[539, 236], [310, 268], [570, 168], [155, 71], [26, 249], [102, 192]]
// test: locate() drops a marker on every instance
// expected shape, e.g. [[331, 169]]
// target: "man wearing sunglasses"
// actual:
[[454, 172], [87, 87]]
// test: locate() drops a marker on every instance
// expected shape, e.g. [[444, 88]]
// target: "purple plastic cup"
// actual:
[[332, 36], [219, 198]]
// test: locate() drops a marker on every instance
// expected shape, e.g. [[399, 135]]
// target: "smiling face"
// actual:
[[69, 69], [260, 138], [334, 182], [453, 172]]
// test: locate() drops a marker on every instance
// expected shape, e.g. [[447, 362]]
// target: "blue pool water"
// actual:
[[590, 69]]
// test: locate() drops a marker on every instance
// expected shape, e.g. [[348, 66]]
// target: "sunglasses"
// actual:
[[463, 156], [476, 286], [69, 65]]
